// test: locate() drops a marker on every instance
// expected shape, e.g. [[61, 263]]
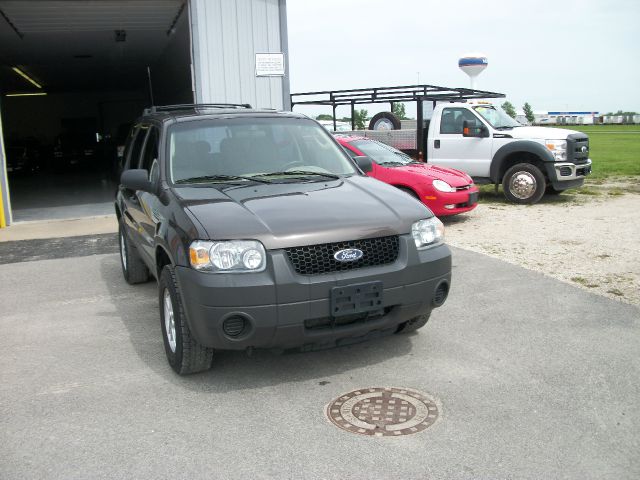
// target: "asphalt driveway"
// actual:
[[534, 378]]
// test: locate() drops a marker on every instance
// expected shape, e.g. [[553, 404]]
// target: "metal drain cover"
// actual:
[[383, 411]]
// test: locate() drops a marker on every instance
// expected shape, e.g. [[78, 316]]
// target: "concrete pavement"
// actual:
[[534, 379]]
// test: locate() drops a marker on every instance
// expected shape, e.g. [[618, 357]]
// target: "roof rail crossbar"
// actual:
[[185, 106]]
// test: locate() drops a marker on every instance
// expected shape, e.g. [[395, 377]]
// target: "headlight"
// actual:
[[428, 233], [558, 148], [229, 256], [443, 186]]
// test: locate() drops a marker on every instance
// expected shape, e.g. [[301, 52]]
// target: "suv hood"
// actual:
[[542, 133], [298, 214]]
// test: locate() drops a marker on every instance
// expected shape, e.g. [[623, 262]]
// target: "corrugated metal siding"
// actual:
[[226, 35]]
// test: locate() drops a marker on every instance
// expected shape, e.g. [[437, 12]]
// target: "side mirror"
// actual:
[[469, 130], [137, 179], [364, 162]]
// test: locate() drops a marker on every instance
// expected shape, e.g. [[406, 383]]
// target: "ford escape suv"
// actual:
[[263, 233]]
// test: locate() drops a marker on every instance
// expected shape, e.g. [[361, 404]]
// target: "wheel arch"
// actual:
[[403, 186], [163, 258], [522, 151]]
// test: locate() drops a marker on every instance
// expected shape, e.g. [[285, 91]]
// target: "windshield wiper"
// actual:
[[213, 178], [298, 173], [400, 164], [506, 127]]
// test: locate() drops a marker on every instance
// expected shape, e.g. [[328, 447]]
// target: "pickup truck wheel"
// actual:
[[184, 353], [523, 183], [413, 324], [133, 268]]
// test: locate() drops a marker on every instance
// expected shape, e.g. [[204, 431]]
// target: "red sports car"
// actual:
[[444, 190]]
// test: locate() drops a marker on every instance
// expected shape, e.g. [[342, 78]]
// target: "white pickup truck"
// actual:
[[466, 132], [490, 146]]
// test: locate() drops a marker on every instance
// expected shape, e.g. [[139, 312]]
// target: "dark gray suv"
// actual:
[[263, 233]]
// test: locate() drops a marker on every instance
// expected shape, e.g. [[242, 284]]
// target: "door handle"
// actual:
[[436, 144]]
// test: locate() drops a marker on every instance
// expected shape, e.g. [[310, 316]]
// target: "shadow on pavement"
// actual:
[[235, 370]]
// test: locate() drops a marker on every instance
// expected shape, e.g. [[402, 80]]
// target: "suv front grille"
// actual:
[[317, 259]]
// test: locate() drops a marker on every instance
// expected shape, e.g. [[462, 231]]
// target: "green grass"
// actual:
[[615, 149]]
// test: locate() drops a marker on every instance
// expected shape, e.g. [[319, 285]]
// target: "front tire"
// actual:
[[133, 268], [524, 184], [184, 353], [413, 324]]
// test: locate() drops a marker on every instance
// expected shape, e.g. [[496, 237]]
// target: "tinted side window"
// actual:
[[350, 152], [150, 155], [453, 118], [130, 138], [150, 149], [134, 156]]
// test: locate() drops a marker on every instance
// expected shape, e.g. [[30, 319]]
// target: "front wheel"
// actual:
[[523, 183], [184, 353], [413, 324]]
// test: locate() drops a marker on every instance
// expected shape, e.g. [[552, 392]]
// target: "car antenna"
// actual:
[[150, 85]]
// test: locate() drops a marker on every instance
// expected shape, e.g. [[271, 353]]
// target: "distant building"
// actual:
[[560, 118]]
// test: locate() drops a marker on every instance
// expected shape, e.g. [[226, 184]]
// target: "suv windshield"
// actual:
[[496, 117], [217, 149], [383, 154]]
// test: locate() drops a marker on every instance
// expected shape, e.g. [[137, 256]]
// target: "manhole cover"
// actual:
[[379, 411]]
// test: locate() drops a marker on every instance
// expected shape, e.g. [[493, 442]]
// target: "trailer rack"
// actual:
[[391, 95]]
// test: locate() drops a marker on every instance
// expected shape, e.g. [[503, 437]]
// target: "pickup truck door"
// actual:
[[450, 149]]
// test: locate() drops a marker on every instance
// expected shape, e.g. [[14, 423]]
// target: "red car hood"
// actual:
[[455, 178]]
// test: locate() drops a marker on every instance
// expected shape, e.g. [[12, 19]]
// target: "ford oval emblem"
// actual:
[[348, 255]]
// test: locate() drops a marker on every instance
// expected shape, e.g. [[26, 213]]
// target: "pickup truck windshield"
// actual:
[[221, 150], [383, 154], [497, 118]]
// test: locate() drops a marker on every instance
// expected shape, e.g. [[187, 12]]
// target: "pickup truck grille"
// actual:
[[577, 148], [318, 259]]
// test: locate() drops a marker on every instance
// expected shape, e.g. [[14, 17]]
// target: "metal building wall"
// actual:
[[225, 36]]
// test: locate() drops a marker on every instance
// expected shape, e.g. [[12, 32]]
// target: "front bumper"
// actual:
[[452, 203], [568, 175], [286, 310]]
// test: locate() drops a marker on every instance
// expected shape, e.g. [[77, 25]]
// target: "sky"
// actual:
[[557, 55]]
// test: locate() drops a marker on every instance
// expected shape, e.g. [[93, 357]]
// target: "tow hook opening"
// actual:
[[441, 293]]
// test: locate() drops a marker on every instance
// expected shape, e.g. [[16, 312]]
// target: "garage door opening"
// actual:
[[73, 77]]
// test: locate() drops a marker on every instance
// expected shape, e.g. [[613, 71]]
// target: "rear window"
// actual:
[[252, 146]]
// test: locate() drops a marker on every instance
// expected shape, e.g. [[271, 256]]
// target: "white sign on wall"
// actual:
[[269, 64]]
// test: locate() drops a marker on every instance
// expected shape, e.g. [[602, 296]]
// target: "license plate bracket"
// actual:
[[473, 198], [356, 298]]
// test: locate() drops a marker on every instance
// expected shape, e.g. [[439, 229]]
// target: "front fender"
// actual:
[[173, 243], [524, 146]]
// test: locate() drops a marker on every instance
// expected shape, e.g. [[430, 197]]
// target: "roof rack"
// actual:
[[189, 106], [391, 95]]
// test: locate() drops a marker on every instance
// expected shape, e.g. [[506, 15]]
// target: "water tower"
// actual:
[[473, 65]]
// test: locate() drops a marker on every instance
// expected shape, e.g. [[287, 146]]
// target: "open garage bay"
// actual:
[[530, 378], [74, 76]]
